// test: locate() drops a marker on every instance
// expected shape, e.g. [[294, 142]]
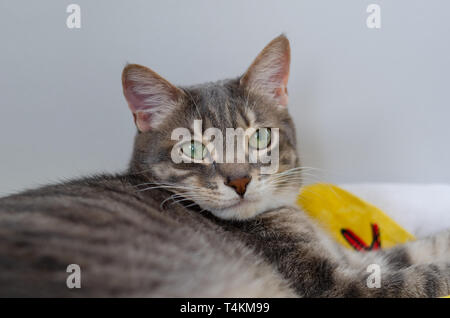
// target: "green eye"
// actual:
[[195, 150], [260, 139]]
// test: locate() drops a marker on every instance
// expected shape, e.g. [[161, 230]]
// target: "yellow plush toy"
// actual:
[[351, 221]]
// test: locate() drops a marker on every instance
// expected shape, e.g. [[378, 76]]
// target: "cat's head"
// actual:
[[255, 102]]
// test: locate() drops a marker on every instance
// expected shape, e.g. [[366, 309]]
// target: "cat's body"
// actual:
[[124, 244], [200, 228]]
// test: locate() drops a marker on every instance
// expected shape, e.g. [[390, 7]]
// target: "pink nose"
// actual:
[[239, 184]]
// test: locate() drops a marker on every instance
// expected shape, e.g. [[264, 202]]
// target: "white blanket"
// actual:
[[422, 209]]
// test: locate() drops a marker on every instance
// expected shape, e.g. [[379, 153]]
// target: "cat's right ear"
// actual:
[[269, 73], [150, 97]]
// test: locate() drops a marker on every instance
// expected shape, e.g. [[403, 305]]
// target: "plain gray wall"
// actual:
[[369, 104]]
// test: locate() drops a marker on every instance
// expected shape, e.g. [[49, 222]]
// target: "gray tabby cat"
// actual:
[[198, 229]]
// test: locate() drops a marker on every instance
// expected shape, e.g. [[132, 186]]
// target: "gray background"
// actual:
[[370, 105]]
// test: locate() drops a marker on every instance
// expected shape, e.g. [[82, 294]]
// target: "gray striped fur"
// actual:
[[131, 240]]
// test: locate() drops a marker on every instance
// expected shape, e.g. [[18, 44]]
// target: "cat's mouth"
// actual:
[[238, 203], [239, 209]]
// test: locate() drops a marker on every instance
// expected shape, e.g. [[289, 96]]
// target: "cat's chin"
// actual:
[[241, 211], [245, 209]]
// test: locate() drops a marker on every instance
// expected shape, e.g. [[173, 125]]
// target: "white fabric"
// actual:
[[422, 209]]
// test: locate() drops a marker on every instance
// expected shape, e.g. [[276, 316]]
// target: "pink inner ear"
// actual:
[[135, 102], [269, 72], [137, 105], [281, 92], [142, 121], [150, 97], [282, 95]]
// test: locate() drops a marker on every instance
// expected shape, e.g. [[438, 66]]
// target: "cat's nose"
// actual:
[[239, 184]]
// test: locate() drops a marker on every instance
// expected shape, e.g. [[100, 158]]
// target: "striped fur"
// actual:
[[165, 229], [124, 245]]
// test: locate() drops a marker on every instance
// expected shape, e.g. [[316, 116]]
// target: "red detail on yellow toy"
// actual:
[[358, 244]]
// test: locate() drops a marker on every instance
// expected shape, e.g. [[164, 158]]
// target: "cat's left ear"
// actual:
[[269, 73]]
